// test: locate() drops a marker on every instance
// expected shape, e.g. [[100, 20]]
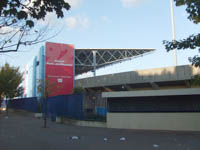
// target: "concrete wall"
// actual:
[[141, 76], [82, 123], [155, 121], [169, 92]]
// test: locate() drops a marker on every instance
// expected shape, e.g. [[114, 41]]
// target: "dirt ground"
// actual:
[[23, 132]]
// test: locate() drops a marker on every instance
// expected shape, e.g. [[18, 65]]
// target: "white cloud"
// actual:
[[106, 19], [130, 3], [71, 22], [84, 22], [74, 3], [80, 22], [50, 18]]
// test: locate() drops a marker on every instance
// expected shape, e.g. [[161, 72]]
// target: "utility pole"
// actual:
[[173, 31]]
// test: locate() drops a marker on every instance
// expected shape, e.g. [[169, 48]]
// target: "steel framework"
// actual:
[[92, 59]]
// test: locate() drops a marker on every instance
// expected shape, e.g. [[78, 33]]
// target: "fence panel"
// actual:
[[102, 111], [28, 104], [66, 105]]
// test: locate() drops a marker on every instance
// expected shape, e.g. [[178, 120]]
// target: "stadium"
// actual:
[[155, 99]]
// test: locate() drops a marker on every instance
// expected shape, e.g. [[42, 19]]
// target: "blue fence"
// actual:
[[64, 105], [102, 111], [28, 104]]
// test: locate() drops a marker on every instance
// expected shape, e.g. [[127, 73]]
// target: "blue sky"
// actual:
[[118, 24]]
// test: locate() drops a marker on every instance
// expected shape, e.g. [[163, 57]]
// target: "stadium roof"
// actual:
[[88, 59]]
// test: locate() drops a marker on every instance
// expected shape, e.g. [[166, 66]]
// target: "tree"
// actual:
[[193, 41], [10, 82], [78, 90], [46, 88], [18, 21]]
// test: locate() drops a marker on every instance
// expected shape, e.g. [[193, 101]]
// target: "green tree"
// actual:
[[78, 90], [18, 20], [10, 82], [196, 80], [193, 41], [46, 89]]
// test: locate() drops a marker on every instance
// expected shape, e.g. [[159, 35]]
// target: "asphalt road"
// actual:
[[21, 132]]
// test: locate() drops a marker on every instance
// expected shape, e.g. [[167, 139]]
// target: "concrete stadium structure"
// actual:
[[159, 78], [84, 60], [161, 98], [158, 99]]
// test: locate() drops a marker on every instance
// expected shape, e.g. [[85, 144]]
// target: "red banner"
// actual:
[[59, 68]]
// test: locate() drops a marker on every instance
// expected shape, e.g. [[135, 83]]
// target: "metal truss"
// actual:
[[92, 59]]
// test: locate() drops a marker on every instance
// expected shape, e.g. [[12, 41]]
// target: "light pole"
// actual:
[[173, 31]]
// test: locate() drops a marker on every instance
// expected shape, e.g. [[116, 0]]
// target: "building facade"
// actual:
[[54, 67]]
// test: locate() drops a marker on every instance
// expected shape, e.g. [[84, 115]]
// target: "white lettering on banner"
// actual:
[[51, 76], [59, 64], [60, 61]]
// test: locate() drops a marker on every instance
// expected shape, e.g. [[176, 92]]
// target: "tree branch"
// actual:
[[21, 15]]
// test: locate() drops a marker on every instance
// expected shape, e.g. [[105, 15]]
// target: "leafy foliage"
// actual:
[[192, 8], [78, 90], [47, 88], [193, 41], [196, 80], [10, 80], [44, 88], [18, 18]]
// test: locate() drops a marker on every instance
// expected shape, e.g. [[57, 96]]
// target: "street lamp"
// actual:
[[173, 31]]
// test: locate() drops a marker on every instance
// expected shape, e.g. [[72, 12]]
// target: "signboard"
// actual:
[[59, 68]]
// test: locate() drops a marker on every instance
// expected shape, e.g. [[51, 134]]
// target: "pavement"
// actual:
[[23, 132]]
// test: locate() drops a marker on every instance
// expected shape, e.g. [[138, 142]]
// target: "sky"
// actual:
[[117, 24]]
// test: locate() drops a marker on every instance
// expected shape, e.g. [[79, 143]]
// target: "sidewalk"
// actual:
[[24, 132]]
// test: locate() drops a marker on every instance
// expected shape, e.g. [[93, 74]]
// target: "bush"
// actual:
[[78, 90]]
